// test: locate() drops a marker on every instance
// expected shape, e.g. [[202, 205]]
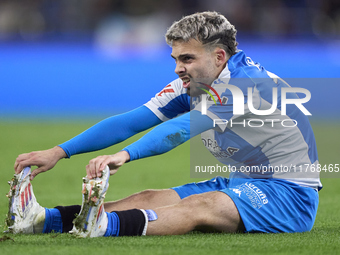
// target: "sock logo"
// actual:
[[152, 215]]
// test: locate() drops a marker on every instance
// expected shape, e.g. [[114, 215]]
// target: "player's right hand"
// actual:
[[44, 160], [96, 166]]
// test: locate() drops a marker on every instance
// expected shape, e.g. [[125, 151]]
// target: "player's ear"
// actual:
[[221, 57]]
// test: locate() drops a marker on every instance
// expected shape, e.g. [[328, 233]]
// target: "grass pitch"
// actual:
[[62, 186]]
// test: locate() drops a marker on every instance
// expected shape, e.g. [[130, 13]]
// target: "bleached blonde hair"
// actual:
[[210, 28]]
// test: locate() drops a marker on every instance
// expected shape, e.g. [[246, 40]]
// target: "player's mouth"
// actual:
[[186, 82]]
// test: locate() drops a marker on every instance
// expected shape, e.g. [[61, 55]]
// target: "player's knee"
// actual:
[[197, 206], [198, 201], [211, 207]]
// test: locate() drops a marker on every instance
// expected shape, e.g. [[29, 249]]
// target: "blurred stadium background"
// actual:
[[94, 58]]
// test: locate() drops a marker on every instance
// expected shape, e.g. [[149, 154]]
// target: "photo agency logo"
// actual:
[[239, 105]]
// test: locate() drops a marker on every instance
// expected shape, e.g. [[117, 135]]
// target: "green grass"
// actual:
[[62, 186]]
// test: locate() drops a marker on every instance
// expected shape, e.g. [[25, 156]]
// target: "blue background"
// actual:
[[63, 80]]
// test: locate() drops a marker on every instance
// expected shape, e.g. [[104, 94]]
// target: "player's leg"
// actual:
[[147, 199], [27, 216], [270, 206], [202, 206], [212, 210]]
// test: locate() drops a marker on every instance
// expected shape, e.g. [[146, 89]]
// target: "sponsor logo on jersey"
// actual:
[[255, 195], [216, 150]]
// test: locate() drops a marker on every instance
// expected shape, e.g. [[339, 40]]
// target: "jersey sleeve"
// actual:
[[170, 101], [169, 135], [111, 131]]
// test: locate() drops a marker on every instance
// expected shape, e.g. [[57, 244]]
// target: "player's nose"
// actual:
[[179, 69]]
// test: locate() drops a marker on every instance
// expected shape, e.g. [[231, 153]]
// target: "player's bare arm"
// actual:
[[44, 160]]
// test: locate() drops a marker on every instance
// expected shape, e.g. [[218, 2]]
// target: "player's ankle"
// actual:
[[39, 222], [68, 214], [47, 221]]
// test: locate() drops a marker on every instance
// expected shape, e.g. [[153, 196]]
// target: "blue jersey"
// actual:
[[264, 146]]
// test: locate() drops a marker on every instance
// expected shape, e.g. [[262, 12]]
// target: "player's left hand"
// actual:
[[96, 166]]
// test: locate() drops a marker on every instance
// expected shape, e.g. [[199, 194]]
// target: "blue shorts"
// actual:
[[265, 205]]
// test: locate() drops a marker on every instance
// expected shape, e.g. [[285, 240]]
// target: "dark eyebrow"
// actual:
[[182, 56]]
